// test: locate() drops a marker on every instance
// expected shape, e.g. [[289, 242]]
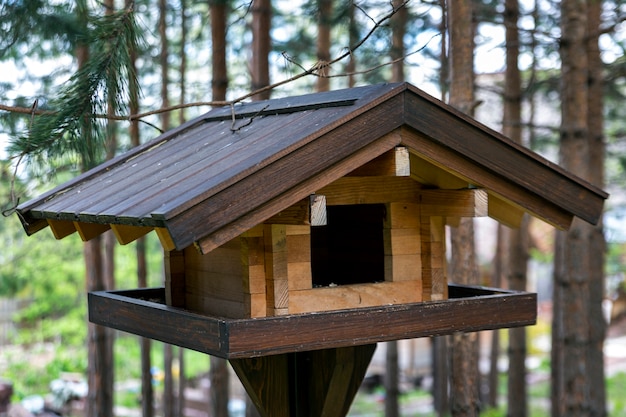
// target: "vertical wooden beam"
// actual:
[[320, 383], [433, 258], [276, 269], [175, 278], [402, 245], [253, 264]]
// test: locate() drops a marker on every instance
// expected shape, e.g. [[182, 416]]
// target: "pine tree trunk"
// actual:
[[571, 384], [597, 244], [464, 394], [219, 76], [440, 345], [323, 43], [518, 244], [398, 30], [261, 47]]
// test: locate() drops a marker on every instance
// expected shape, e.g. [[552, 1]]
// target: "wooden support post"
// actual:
[[305, 384], [276, 269]]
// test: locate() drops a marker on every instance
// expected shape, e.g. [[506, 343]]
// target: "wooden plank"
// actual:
[[267, 381], [499, 157], [309, 211], [290, 178], [276, 282], [505, 212], [354, 296], [370, 190], [61, 228], [165, 238], [445, 158], [262, 212], [394, 163], [142, 312], [88, 231], [454, 203], [126, 234], [174, 264]]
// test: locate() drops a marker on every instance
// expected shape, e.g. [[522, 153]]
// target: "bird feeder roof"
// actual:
[[222, 173]]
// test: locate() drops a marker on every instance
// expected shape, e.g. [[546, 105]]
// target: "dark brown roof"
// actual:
[[215, 175]]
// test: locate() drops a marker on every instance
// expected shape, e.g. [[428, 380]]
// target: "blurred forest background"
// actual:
[[84, 80]]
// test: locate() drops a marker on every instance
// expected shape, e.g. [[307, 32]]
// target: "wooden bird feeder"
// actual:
[[300, 231]]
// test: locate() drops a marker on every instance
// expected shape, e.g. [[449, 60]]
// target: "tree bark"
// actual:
[[325, 15], [597, 243], [464, 394], [398, 30], [571, 327], [518, 243], [219, 77], [261, 47], [440, 345]]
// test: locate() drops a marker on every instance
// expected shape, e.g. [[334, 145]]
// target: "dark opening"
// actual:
[[350, 248]]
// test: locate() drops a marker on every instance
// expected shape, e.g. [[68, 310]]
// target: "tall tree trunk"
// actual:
[[325, 15], [261, 47], [353, 35], [218, 373], [571, 327], [440, 349], [463, 269], [398, 30], [219, 77], [518, 258], [597, 243]]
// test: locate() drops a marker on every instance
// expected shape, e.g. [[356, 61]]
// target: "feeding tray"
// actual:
[[469, 308]]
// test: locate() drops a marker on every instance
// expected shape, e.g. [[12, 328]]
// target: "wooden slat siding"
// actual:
[[345, 297], [299, 258], [394, 163], [253, 265], [497, 154], [214, 282], [174, 265], [61, 228], [401, 235], [454, 203], [446, 157], [370, 190], [480, 309], [272, 206], [154, 320]]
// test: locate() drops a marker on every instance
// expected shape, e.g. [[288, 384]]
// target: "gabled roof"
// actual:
[[230, 169]]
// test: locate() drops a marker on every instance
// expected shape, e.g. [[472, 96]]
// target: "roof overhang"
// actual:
[[217, 176]]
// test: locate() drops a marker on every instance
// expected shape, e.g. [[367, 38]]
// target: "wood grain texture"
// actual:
[[468, 309]]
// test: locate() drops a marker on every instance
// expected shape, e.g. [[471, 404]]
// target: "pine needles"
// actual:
[[75, 123]]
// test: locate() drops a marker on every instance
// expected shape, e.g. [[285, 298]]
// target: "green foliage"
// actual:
[[74, 124]]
